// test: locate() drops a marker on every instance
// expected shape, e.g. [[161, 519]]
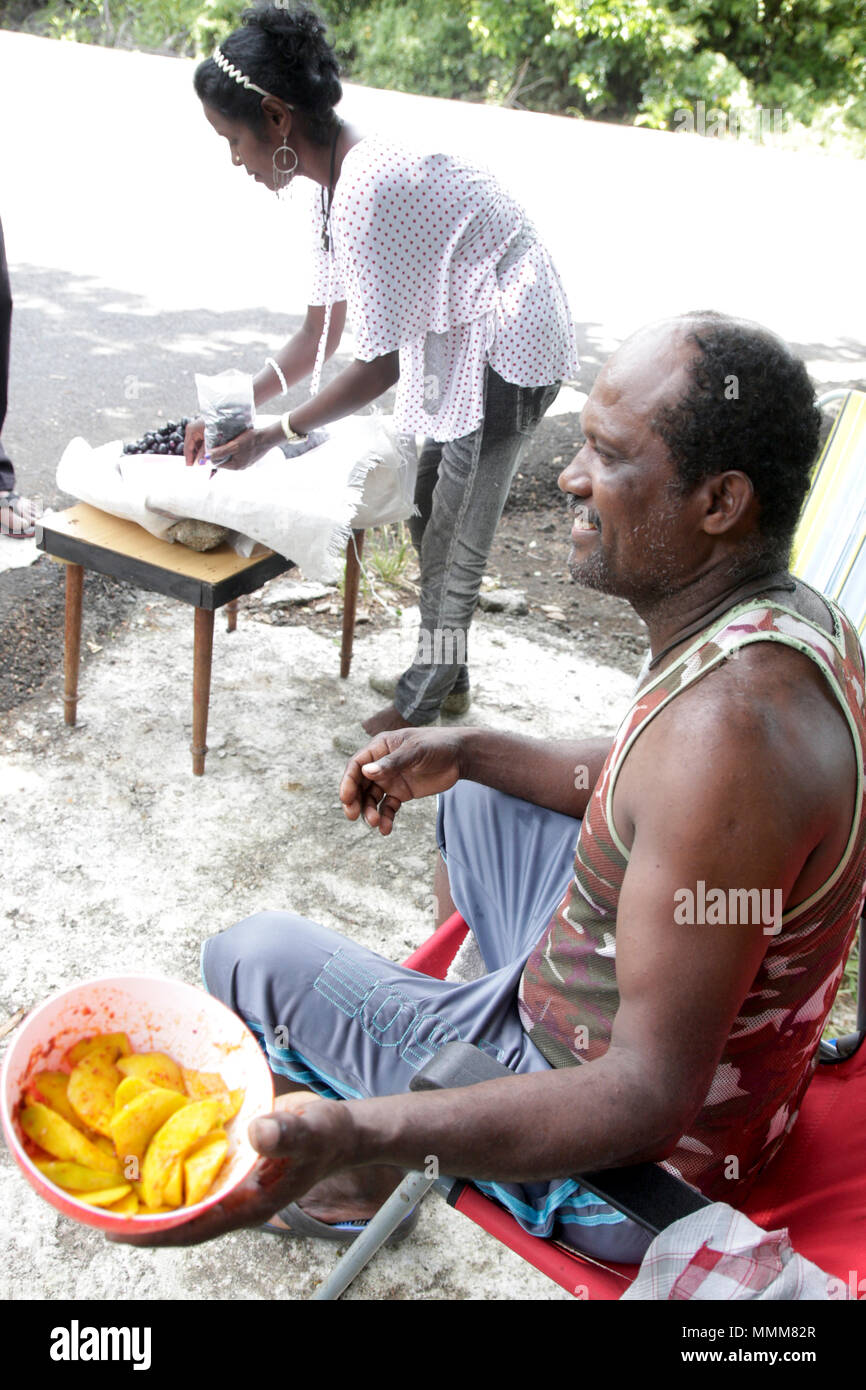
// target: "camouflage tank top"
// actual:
[[568, 993]]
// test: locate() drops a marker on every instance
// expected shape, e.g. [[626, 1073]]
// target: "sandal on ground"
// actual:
[[457, 702], [299, 1224], [18, 516]]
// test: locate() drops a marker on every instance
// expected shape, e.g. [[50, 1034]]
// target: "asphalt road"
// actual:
[[139, 255]]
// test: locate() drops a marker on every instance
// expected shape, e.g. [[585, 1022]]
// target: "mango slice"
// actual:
[[209, 1085], [59, 1138], [202, 1165], [127, 1206], [107, 1198], [155, 1067], [92, 1085], [203, 1085], [117, 1043], [74, 1176], [129, 1088], [177, 1136], [133, 1127], [49, 1088], [172, 1192], [235, 1101]]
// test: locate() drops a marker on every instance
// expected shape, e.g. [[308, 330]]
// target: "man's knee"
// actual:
[[262, 937]]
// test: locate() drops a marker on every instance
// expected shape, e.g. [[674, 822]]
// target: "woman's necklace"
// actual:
[[326, 207]]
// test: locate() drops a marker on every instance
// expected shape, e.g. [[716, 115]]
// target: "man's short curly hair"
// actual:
[[749, 406]]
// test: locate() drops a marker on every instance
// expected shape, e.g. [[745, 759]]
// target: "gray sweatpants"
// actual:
[[340, 1019]]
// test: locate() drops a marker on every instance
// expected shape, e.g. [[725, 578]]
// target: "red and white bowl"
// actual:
[[158, 1015]]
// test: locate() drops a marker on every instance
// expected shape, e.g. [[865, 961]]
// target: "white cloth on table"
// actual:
[[303, 508]]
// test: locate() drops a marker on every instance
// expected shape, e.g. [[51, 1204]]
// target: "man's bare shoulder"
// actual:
[[759, 691], [763, 690], [762, 732]]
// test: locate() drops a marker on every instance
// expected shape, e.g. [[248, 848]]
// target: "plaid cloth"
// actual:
[[719, 1254]]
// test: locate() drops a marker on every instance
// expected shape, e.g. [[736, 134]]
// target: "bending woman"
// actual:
[[450, 296]]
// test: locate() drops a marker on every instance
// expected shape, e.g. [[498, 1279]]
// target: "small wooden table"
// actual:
[[85, 538]]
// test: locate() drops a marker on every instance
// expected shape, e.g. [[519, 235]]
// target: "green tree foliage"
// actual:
[[412, 47], [794, 53], [638, 61]]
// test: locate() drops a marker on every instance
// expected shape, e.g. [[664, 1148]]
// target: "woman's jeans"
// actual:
[[460, 494]]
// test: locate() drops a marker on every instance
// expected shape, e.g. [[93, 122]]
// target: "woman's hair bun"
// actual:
[[283, 49], [296, 39]]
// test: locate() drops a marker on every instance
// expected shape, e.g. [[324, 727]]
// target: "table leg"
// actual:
[[231, 615], [72, 641], [202, 657], [350, 600]]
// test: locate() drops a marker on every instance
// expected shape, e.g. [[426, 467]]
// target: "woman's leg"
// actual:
[[474, 475]]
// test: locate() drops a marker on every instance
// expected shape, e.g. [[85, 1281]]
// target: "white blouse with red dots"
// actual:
[[436, 261]]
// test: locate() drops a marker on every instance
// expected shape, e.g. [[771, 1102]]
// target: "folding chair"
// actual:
[[815, 1186], [829, 549]]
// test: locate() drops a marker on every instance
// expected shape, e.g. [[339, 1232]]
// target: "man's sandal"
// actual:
[[299, 1224], [18, 516]]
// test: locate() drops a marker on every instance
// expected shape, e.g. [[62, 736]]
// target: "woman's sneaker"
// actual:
[[457, 702]]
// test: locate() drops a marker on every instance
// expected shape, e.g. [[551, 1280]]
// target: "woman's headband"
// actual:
[[230, 70]]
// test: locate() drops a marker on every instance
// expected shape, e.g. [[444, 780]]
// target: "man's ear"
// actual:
[[730, 498]]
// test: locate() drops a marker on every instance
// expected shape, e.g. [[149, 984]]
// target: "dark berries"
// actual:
[[168, 439]]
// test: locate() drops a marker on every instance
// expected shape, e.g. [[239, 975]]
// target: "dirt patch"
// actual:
[[32, 624]]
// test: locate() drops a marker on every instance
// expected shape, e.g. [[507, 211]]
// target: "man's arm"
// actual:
[[742, 818], [410, 763], [739, 819]]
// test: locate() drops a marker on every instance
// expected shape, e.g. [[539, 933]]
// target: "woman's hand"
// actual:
[[397, 767], [246, 449], [193, 441]]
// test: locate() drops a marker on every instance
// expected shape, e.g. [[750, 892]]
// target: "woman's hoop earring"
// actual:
[[285, 162]]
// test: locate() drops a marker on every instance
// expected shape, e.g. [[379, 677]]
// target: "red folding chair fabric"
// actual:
[[816, 1186]]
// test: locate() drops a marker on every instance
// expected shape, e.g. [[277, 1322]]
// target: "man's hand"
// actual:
[[397, 767], [304, 1141]]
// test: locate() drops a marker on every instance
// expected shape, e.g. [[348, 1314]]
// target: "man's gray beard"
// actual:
[[656, 582], [592, 573]]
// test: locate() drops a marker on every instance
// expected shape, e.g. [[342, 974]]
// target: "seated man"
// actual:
[[662, 994]]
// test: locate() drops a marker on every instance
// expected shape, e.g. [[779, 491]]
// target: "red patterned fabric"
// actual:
[[568, 993]]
